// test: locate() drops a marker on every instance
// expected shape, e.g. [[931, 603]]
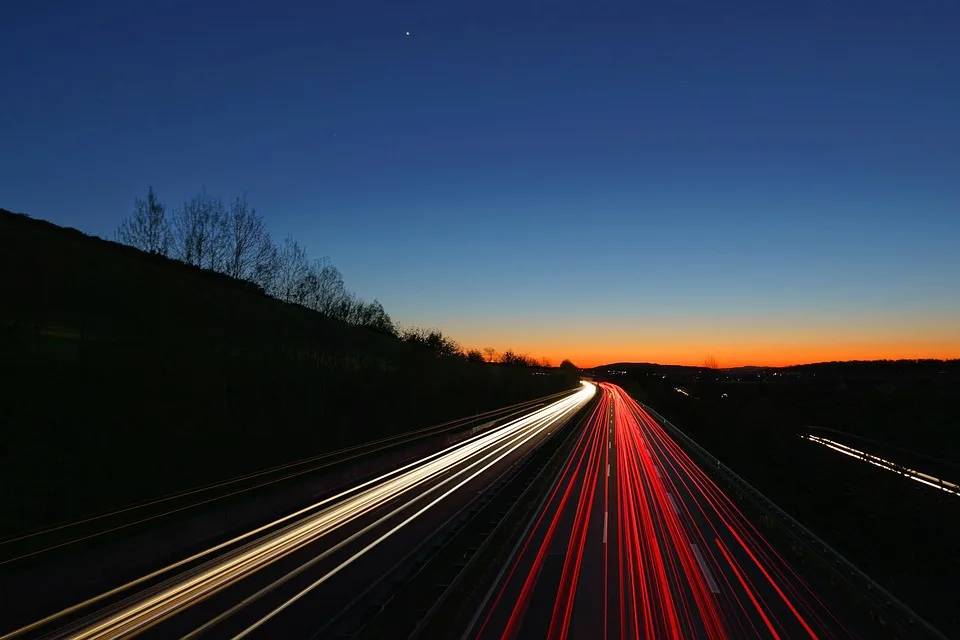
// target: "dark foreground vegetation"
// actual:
[[901, 533], [128, 374]]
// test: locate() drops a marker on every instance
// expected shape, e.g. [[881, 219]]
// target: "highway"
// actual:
[[626, 538], [636, 541], [288, 577]]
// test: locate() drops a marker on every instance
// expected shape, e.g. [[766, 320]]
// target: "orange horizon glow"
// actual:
[[738, 351], [585, 360], [734, 340], [770, 361]]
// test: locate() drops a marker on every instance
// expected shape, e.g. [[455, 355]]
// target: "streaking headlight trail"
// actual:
[[917, 476], [446, 471]]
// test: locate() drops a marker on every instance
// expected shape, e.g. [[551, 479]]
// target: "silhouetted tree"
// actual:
[[348, 308], [248, 248], [516, 359], [200, 232], [292, 283], [544, 362], [235, 242], [566, 364], [432, 339], [710, 362], [326, 291], [374, 316], [442, 344], [365, 314], [148, 229], [267, 268]]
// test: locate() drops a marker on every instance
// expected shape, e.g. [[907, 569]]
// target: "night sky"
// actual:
[[767, 182]]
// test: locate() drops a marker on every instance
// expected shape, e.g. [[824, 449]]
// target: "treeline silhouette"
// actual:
[[898, 531], [231, 238], [132, 374]]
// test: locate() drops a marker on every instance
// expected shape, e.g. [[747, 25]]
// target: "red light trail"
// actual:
[[636, 541]]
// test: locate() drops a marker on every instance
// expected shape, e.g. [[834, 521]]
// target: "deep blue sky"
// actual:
[[584, 178]]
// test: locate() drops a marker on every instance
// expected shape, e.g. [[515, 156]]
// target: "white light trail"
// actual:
[[509, 449], [202, 582], [930, 481]]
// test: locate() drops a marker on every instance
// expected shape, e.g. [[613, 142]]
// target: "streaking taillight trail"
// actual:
[[685, 561]]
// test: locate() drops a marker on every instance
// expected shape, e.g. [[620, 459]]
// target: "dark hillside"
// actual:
[[129, 374]]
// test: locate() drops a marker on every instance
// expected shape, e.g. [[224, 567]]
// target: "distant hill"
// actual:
[[642, 365], [836, 366]]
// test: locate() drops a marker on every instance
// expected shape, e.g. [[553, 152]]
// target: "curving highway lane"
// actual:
[[284, 577], [636, 541]]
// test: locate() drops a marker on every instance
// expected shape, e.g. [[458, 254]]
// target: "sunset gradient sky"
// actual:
[[770, 183]]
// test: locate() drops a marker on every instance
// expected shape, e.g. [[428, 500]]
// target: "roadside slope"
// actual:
[[132, 375]]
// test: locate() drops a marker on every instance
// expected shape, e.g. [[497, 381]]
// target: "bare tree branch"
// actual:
[[291, 284], [373, 316], [148, 229], [200, 232], [267, 265], [248, 248], [431, 339], [329, 294], [518, 359]]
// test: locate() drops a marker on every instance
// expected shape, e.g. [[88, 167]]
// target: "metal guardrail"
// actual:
[[868, 587]]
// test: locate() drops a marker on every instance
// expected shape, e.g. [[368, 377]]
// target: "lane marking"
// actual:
[[673, 505], [605, 514], [657, 469], [608, 469], [711, 583]]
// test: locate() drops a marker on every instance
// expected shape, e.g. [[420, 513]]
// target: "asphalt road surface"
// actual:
[[633, 540], [288, 577], [636, 541]]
